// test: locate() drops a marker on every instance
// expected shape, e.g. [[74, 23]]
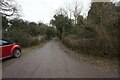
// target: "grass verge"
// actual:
[[102, 63], [33, 48]]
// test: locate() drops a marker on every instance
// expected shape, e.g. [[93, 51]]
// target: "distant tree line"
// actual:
[[26, 33]]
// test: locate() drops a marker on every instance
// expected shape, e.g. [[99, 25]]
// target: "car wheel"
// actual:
[[17, 53]]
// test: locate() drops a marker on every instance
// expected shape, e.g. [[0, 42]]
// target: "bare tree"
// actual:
[[77, 10], [74, 9], [8, 8], [68, 7], [62, 11]]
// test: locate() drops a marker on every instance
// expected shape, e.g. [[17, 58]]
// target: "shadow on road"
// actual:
[[8, 59]]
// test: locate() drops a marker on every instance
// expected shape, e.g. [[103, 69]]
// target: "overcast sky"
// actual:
[[43, 10]]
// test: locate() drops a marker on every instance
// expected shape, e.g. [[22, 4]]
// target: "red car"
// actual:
[[9, 49]]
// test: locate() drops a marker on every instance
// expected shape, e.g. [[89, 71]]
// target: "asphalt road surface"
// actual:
[[50, 61]]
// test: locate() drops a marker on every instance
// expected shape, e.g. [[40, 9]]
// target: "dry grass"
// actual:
[[33, 48], [102, 63], [94, 51], [92, 47]]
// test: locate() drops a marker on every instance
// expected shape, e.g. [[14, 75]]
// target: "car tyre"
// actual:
[[17, 53]]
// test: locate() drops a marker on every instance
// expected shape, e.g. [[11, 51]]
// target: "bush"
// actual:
[[26, 33], [35, 41], [18, 37], [93, 46]]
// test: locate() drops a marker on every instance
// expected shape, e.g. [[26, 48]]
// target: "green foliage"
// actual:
[[18, 37], [63, 25], [98, 34], [4, 23], [103, 14], [26, 33], [83, 30], [50, 33]]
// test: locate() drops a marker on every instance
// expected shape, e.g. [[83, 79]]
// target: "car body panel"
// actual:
[[7, 50]]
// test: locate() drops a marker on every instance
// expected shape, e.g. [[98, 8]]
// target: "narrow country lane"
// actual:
[[50, 61]]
